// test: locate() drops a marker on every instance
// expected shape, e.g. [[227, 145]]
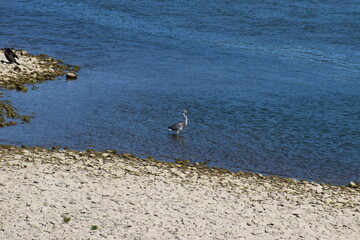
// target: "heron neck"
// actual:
[[186, 119]]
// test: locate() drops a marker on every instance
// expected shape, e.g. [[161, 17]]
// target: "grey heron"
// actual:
[[10, 56], [179, 126]]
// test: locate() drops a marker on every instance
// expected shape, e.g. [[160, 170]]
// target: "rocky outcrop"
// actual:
[[32, 69]]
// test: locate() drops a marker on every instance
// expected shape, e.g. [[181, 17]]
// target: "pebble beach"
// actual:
[[66, 194]]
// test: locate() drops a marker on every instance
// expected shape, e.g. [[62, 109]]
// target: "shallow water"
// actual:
[[271, 86]]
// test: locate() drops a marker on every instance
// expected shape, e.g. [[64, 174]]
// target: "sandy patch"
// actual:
[[65, 194]]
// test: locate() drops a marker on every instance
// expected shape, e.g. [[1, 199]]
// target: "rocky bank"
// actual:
[[66, 194], [32, 69]]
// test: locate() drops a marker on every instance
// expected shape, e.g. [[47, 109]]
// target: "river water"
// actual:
[[271, 86]]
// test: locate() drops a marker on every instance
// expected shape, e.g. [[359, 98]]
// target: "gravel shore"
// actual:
[[32, 69], [65, 194]]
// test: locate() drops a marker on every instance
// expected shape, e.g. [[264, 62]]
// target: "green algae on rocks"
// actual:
[[8, 112], [32, 69]]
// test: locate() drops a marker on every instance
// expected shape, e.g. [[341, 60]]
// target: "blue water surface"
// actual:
[[271, 86]]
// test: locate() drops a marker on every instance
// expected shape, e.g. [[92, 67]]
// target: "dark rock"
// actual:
[[71, 76]]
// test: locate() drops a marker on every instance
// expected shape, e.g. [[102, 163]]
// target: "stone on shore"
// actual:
[[71, 76], [354, 185]]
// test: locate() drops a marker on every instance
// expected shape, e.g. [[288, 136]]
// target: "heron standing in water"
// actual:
[[10, 56], [179, 126]]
